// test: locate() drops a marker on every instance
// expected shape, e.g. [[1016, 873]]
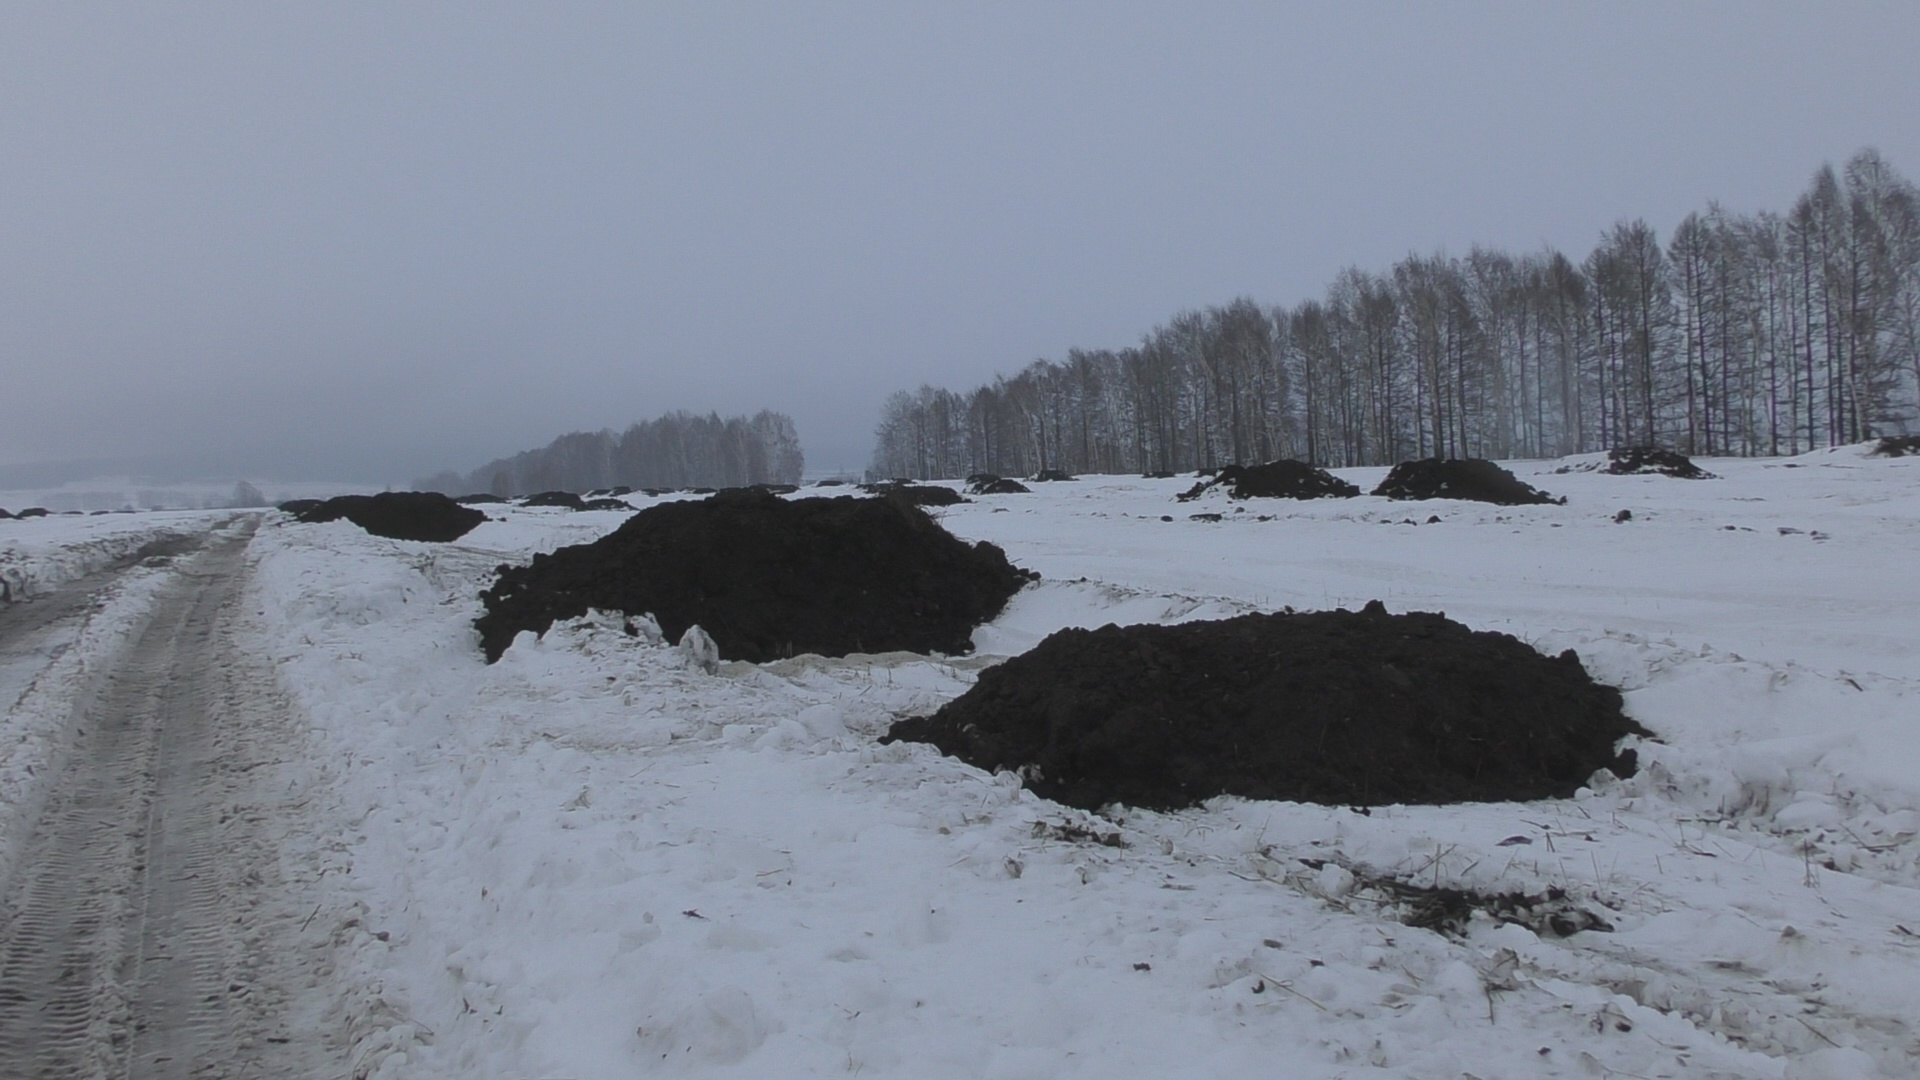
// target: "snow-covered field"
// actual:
[[594, 860]]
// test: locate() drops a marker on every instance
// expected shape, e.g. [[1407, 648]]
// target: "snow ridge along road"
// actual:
[[130, 938]]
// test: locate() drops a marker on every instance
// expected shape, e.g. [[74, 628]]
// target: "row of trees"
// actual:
[[678, 450], [1743, 335]]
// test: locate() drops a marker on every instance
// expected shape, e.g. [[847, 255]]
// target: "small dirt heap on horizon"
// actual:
[[1333, 707], [1895, 446], [913, 494], [768, 578], [1460, 478], [1643, 461], [1283, 479], [400, 515], [989, 484]]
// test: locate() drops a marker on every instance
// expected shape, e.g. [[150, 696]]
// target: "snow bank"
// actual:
[[41, 554]]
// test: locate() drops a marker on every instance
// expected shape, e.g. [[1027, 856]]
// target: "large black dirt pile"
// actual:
[[767, 578], [1334, 707], [401, 515], [1459, 478], [1283, 479], [1641, 460], [1896, 446]]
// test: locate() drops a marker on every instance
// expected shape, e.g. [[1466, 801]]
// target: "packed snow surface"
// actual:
[[595, 859]]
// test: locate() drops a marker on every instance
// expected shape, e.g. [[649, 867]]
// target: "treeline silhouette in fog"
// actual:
[[1741, 335], [678, 450]]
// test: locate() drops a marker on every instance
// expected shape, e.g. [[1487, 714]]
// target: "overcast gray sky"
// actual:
[[369, 241]]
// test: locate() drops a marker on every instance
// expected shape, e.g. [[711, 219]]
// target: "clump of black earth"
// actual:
[[1283, 479], [1336, 707], [1460, 478], [913, 494], [479, 499], [1647, 460], [997, 485], [566, 499], [1896, 446], [400, 515], [768, 578]]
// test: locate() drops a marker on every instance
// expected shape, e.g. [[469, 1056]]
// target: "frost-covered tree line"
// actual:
[[678, 450], [1742, 335]]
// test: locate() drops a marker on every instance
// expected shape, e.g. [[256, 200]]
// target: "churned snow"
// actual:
[[594, 859]]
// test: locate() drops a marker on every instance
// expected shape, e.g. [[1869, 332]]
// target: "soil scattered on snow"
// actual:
[[1460, 478], [1896, 446], [1283, 479], [1334, 707], [400, 515], [767, 578]]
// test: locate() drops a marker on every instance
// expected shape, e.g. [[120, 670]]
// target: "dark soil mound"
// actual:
[[479, 499], [401, 515], [5, 513], [829, 483], [605, 504], [555, 498], [296, 507], [610, 493], [1048, 476], [766, 578], [32, 512], [1157, 474], [1896, 446], [1334, 707], [913, 494], [1283, 479], [1638, 460], [1460, 478], [998, 486]]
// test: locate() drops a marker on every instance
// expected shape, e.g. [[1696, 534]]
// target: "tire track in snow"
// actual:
[[118, 940]]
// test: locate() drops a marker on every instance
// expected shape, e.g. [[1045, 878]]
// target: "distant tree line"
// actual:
[[678, 450], [1743, 335]]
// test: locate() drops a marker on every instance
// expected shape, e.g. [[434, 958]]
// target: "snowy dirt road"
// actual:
[[131, 935]]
